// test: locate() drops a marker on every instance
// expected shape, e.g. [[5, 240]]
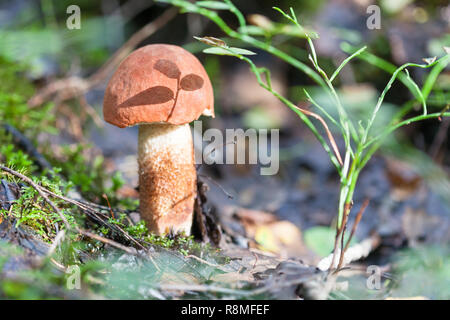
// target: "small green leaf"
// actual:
[[321, 239], [243, 52], [230, 51], [215, 5], [219, 51]]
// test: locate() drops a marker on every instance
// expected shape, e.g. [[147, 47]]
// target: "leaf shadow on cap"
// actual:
[[153, 95], [168, 68], [191, 82], [163, 94]]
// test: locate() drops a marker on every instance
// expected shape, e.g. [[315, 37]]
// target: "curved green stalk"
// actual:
[[365, 146], [342, 65], [394, 127], [212, 15]]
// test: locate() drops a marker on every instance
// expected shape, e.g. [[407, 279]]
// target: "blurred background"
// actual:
[[52, 81]]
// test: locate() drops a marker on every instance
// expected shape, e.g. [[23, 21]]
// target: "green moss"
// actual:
[[89, 175], [80, 171]]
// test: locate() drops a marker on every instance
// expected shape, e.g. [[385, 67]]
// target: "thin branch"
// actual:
[[191, 256], [330, 136], [44, 193], [339, 231], [72, 87], [39, 190], [240, 292], [108, 241], [23, 142], [355, 224]]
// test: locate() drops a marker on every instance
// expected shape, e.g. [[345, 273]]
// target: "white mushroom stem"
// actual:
[[167, 177]]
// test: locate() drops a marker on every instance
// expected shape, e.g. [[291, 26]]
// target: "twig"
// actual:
[[24, 143], [71, 87], [341, 256], [251, 292], [108, 241], [44, 194], [90, 110], [356, 223], [85, 207], [204, 288], [94, 206], [203, 261], [330, 136], [40, 191], [9, 196], [256, 260], [229, 195], [109, 205], [139, 36], [131, 8], [336, 240]]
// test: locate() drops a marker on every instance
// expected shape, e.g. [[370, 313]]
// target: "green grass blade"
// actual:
[[432, 76], [388, 86], [346, 61], [212, 15]]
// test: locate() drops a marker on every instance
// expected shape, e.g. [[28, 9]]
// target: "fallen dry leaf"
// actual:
[[270, 234], [404, 180], [417, 225]]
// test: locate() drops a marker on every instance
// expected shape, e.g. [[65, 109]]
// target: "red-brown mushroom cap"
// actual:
[[158, 83]]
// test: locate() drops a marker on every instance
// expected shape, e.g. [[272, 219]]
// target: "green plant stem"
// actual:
[[343, 117], [347, 60], [432, 76], [366, 146], [378, 62], [323, 111], [293, 107], [190, 7], [385, 91], [238, 15], [393, 127]]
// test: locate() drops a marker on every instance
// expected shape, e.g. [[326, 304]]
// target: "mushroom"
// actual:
[[162, 88]]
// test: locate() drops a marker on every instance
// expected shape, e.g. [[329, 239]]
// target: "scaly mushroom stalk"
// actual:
[[161, 88], [167, 177]]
